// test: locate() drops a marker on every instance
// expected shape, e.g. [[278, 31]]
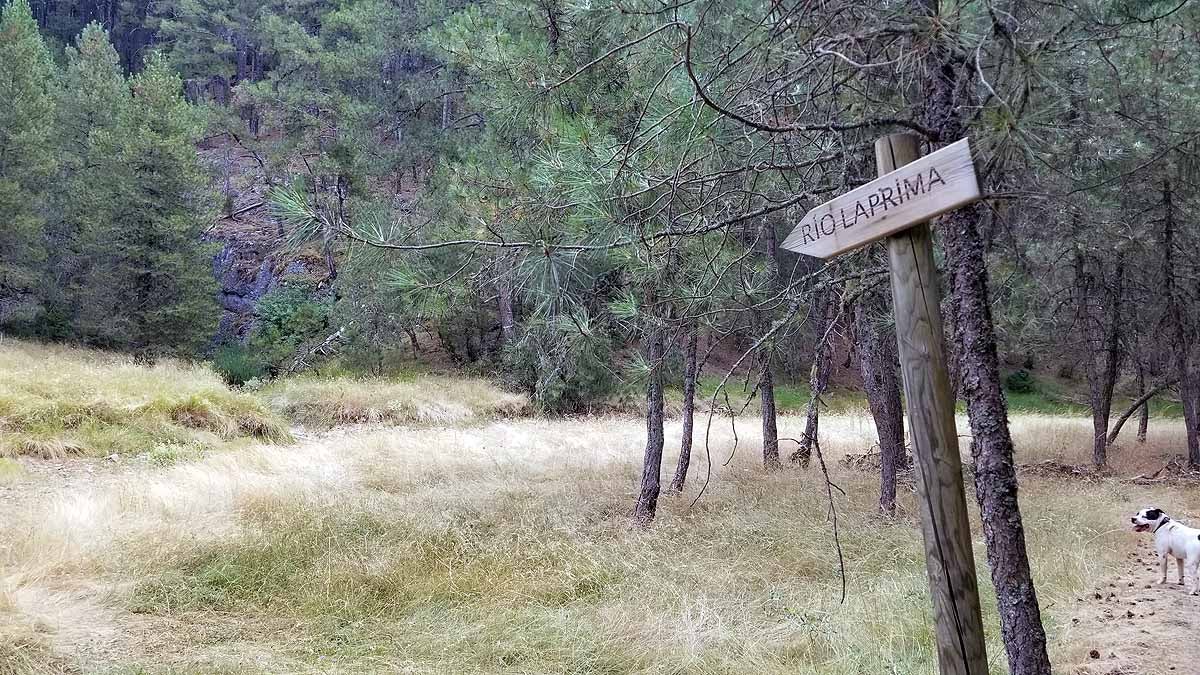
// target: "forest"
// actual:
[[556, 212]]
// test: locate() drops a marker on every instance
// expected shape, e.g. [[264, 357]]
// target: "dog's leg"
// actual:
[[1195, 565], [1162, 567], [1182, 577]]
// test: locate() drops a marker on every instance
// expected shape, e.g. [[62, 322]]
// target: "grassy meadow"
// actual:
[[481, 540]]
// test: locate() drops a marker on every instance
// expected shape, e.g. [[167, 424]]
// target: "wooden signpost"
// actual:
[[910, 190], [905, 196]]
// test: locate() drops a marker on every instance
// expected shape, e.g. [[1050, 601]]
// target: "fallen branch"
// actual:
[[1112, 435], [323, 348], [244, 209], [1176, 468]]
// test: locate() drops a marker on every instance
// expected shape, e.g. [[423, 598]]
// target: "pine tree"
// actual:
[[26, 157], [93, 122], [168, 284], [133, 206]]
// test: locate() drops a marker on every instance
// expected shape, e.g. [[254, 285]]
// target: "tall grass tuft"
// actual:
[[422, 400], [56, 402]]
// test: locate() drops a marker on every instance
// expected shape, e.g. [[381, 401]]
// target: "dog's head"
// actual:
[[1147, 519]]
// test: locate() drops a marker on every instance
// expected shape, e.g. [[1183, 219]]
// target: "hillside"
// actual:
[[523, 336]]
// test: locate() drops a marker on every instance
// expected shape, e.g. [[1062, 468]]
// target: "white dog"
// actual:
[[1172, 540]]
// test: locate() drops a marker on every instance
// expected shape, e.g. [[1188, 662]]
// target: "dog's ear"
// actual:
[[1153, 514]]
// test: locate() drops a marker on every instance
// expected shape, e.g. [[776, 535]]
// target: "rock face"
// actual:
[[247, 236], [250, 265], [251, 261], [245, 273]]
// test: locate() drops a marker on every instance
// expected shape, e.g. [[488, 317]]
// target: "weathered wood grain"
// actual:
[[899, 198], [949, 559]]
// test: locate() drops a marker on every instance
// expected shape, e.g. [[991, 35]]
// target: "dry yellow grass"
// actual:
[[505, 548], [57, 402], [1069, 440], [11, 471], [423, 400]]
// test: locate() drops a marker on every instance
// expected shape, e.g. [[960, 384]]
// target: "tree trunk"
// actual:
[[1144, 410], [992, 450], [818, 378], [766, 378], [1143, 401], [1099, 315], [878, 363], [948, 95], [1189, 392], [412, 340], [689, 410], [504, 301], [647, 502], [553, 13], [1182, 335], [766, 392]]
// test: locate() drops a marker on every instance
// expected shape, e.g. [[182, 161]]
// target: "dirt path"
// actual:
[[1129, 625], [43, 480]]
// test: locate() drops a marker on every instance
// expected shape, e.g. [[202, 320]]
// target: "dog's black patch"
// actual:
[[1153, 514]]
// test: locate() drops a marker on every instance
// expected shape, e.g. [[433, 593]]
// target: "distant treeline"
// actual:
[[103, 194]]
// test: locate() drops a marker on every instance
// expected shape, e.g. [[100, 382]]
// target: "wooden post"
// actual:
[[949, 559]]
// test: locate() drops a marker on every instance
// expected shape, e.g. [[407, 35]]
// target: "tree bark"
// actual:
[[647, 502], [690, 375], [1189, 393], [412, 340], [504, 301], [818, 378], [1144, 410], [1099, 315], [992, 451], [948, 96], [766, 378], [878, 363], [553, 14], [1185, 356], [766, 392]]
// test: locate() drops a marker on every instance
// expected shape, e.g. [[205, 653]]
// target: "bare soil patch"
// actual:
[[1129, 625], [43, 480]]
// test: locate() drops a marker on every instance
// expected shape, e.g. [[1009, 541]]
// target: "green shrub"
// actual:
[[287, 318], [237, 365], [564, 366], [1020, 382]]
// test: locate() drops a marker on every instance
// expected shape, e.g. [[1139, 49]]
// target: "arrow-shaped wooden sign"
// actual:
[[909, 191], [914, 193]]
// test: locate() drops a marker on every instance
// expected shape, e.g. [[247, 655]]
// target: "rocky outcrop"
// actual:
[[251, 260], [245, 273]]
